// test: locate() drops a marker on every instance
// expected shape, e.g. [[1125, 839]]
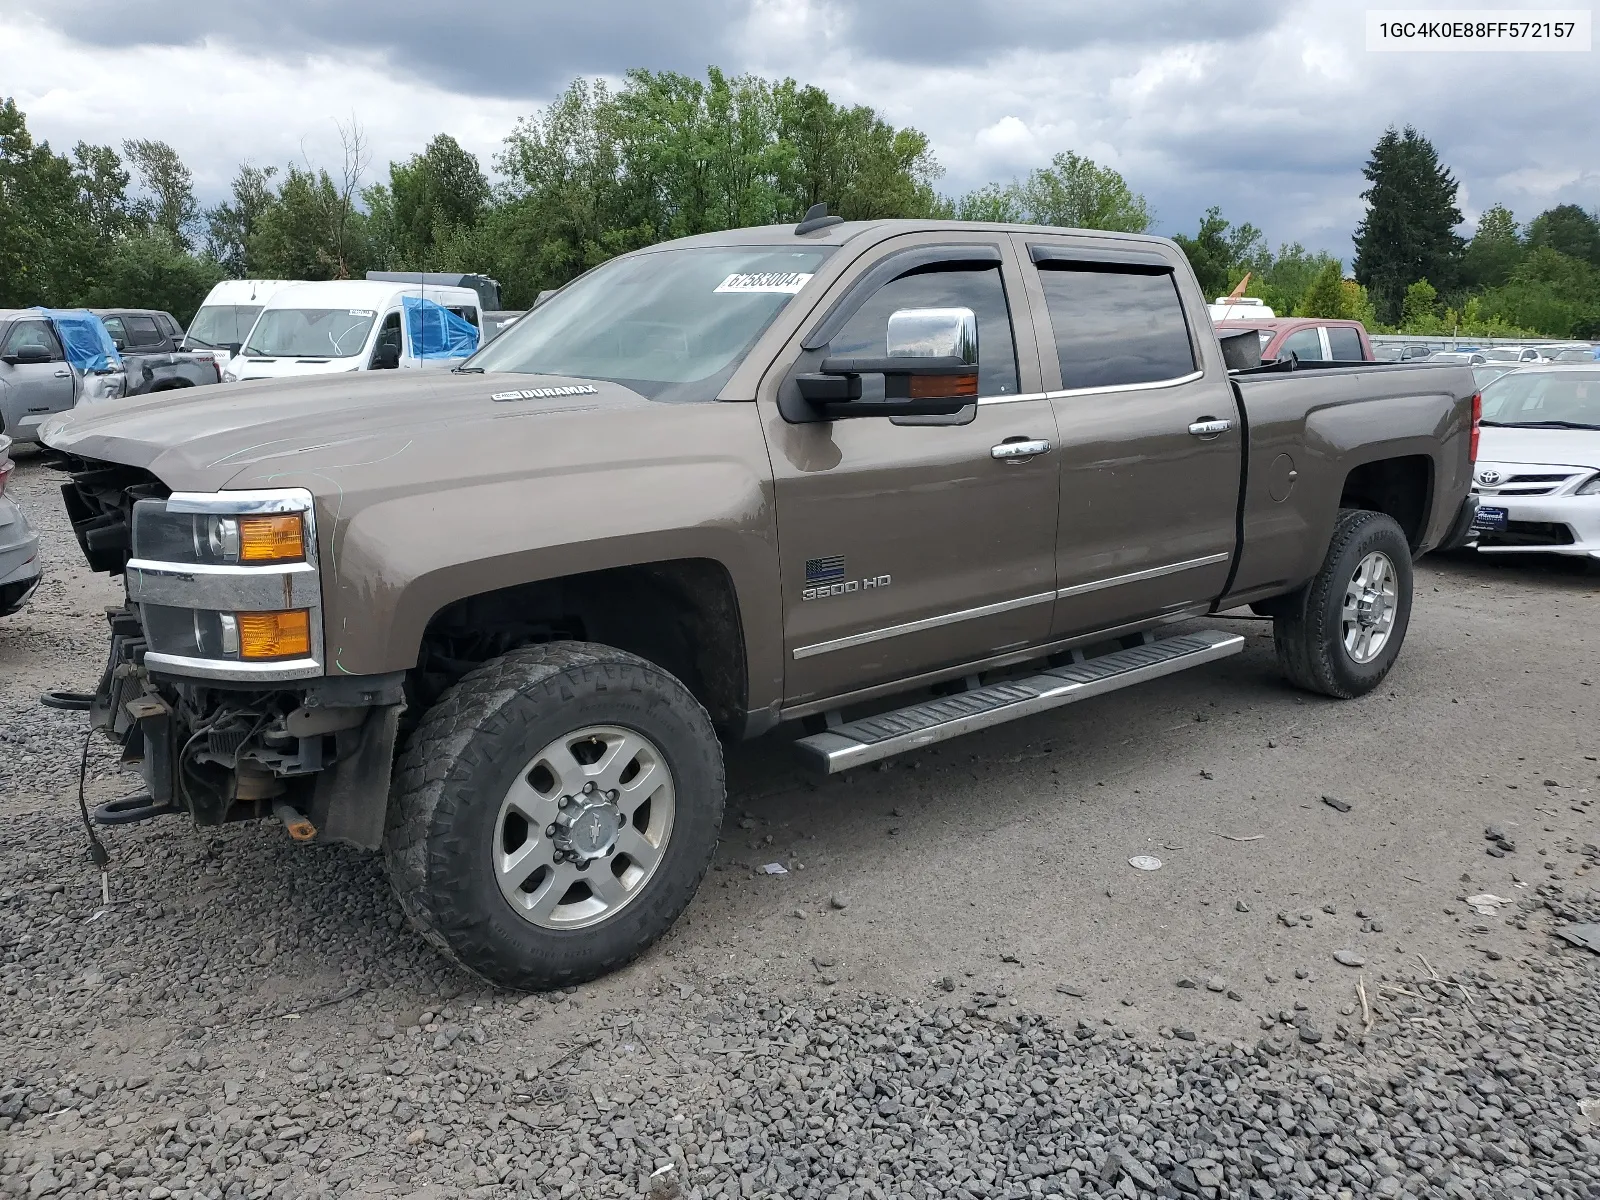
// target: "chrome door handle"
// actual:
[[63, 374], [1018, 452], [1210, 427]]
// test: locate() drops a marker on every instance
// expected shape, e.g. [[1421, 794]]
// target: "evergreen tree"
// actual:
[[230, 225], [1408, 232], [1326, 296], [1495, 249]]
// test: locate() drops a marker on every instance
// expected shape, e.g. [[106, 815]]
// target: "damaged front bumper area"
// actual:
[[215, 684]]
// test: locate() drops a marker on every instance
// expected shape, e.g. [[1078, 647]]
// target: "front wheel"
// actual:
[[1341, 633], [554, 813]]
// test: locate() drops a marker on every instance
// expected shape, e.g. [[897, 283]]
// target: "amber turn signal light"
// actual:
[[940, 387], [280, 538], [275, 634]]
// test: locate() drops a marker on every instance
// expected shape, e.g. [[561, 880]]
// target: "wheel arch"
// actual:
[[681, 614]]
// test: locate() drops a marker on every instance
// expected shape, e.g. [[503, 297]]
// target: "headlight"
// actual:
[[227, 584], [161, 534], [228, 376], [1591, 488]]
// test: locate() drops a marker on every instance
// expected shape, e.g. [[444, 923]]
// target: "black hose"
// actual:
[[68, 701]]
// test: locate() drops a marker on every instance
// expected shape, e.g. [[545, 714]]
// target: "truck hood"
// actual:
[[207, 439], [1541, 447]]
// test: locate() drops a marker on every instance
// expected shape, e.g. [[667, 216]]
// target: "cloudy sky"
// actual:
[[1267, 110]]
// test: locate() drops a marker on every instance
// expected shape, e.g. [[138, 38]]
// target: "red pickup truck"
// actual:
[[1310, 339]]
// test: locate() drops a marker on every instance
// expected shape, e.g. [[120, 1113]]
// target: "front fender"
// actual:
[[675, 482]]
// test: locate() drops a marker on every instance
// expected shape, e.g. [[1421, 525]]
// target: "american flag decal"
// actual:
[[825, 570]]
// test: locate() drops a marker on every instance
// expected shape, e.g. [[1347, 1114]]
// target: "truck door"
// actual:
[[34, 389], [1150, 439], [911, 544]]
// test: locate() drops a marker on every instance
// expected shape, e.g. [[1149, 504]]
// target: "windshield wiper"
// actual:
[[466, 370], [1540, 424]]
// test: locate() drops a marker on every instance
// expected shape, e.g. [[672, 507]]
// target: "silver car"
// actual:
[[1537, 477], [19, 545]]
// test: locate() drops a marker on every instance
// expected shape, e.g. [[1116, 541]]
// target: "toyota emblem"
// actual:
[[1489, 477]]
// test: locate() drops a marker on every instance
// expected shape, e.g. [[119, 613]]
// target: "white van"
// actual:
[[225, 316], [359, 325]]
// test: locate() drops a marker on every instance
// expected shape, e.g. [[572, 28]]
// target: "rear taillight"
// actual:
[[1477, 418], [5, 474]]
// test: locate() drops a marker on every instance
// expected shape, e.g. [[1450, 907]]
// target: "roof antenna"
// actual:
[[816, 218]]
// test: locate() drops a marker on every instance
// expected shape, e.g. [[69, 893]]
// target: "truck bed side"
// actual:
[[1393, 437]]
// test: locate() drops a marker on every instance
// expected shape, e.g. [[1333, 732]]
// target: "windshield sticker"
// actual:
[[784, 282], [361, 312], [576, 389]]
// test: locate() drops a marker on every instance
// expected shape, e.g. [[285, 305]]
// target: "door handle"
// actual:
[[63, 374], [1019, 451], [1210, 427]]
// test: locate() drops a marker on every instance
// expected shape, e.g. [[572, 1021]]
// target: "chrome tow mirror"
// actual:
[[933, 333]]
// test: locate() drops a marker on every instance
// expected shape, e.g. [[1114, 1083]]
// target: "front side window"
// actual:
[[311, 332], [117, 330], [981, 290], [1303, 344], [142, 331], [1345, 343], [387, 349], [1115, 325], [218, 325], [33, 333], [669, 324]]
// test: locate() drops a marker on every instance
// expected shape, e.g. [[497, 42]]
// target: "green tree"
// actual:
[[1072, 191], [1419, 311], [1075, 192], [231, 224], [1000, 203], [1568, 230], [1220, 253], [168, 201], [46, 242], [1551, 293], [1326, 296], [103, 191], [307, 232], [598, 173], [1408, 232], [430, 198], [1494, 251], [147, 269]]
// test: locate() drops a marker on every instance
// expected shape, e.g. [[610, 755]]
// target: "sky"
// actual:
[[1265, 110]]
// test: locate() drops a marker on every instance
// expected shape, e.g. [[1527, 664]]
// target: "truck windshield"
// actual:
[[221, 325], [310, 332], [671, 325], [1554, 399]]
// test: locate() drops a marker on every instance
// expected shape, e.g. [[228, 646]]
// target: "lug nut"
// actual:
[[549, 831], [612, 795], [564, 801], [588, 787]]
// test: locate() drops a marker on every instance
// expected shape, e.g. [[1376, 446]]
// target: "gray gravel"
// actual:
[[252, 1018]]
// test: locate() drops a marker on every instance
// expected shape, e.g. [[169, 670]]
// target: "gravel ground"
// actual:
[[248, 1017]]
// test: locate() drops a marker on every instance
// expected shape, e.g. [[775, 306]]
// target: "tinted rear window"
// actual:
[[1345, 343], [1117, 326]]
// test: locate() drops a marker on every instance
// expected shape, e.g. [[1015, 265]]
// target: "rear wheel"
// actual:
[[1341, 633], [554, 813]]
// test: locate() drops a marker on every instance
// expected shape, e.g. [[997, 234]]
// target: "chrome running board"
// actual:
[[872, 738]]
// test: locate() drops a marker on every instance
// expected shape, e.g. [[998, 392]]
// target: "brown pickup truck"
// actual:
[[879, 484]]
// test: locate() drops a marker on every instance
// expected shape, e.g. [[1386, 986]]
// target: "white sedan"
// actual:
[[1537, 478]]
